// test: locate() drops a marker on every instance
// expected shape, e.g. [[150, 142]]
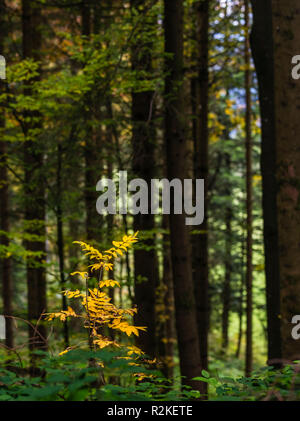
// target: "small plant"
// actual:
[[99, 312], [265, 384], [68, 378]]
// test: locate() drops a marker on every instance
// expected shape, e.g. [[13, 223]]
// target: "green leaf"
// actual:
[[205, 374]]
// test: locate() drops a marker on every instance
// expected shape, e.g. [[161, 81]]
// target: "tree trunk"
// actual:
[[143, 144], [200, 135], [176, 152], [228, 265], [93, 141], [60, 239], [7, 288], [169, 328], [249, 205], [263, 54], [34, 187], [226, 293], [286, 36], [110, 217], [241, 303]]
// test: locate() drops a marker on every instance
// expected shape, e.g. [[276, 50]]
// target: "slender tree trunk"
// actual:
[[240, 334], [263, 54], [117, 151], [241, 303], [34, 186], [60, 239], [110, 217], [169, 307], [176, 151], [165, 322], [286, 36], [72, 179], [89, 153], [226, 293], [93, 142], [228, 265], [249, 205], [200, 135], [73, 259], [143, 144], [7, 288]]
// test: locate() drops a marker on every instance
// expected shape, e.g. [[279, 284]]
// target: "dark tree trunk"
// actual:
[[34, 186], [60, 239], [286, 36], [110, 218], [249, 204], [228, 265], [241, 302], [176, 151], [89, 153], [143, 144], [200, 135], [263, 54], [226, 293], [169, 307], [93, 141], [240, 334], [110, 225], [117, 151], [7, 288]]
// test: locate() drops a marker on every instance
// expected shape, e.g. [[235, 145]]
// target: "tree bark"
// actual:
[[34, 186], [7, 288], [263, 54], [143, 145], [165, 302], [286, 36], [176, 151], [249, 204], [60, 239], [93, 140], [228, 264], [241, 302], [200, 135]]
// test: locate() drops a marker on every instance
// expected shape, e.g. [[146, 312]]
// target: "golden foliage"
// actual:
[[102, 259], [99, 310]]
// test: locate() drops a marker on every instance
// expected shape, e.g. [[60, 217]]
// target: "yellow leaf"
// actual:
[[109, 283], [84, 275], [65, 351]]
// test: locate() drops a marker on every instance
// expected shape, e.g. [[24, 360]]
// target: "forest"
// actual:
[[149, 200]]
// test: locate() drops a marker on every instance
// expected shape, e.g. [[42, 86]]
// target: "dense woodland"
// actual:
[[145, 306]]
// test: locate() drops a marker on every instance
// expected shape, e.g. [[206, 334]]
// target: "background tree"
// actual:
[[34, 184], [249, 199], [200, 86], [263, 54], [175, 143], [286, 36], [7, 287], [143, 166]]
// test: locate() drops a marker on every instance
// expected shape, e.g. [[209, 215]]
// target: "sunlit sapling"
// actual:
[[99, 310]]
